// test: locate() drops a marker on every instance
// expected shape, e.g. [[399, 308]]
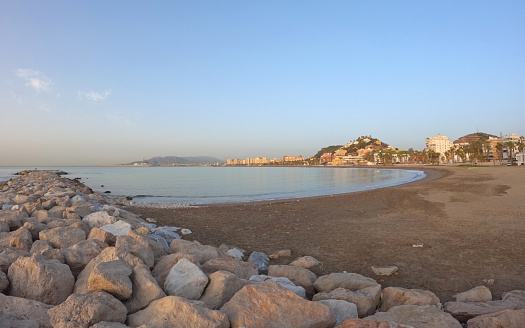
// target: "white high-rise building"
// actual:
[[439, 144]]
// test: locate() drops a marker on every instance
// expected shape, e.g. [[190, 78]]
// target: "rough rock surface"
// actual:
[[165, 263], [394, 296], [112, 277], [516, 297], [103, 236], [298, 275], [185, 280], [62, 237], [465, 311], [84, 310], [366, 299], [342, 310], [360, 323], [503, 319], [351, 281], [39, 279], [306, 262], [241, 269], [270, 305], [21, 309], [221, 288], [476, 294], [285, 282], [426, 316], [202, 253], [176, 312], [79, 255], [138, 246]]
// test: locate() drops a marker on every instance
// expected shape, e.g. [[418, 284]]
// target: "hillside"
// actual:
[[175, 160], [353, 146], [473, 137]]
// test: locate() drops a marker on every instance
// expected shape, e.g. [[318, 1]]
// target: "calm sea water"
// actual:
[[195, 185]]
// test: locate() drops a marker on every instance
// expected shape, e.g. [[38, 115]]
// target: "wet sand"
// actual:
[[471, 222]]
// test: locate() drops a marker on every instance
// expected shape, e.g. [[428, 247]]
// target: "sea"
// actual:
[[204, 185]]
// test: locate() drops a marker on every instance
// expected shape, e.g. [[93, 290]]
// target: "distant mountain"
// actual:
[[470, 138], [175, 160]]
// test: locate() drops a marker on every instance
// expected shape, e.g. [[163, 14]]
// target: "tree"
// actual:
[[510, 148], [521, 146], [499, 149]]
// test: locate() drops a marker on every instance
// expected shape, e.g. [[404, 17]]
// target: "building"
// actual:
[[439, 144]]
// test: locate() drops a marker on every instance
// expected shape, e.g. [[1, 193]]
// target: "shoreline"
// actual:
[[463, 216]]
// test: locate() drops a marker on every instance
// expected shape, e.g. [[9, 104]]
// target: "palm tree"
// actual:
[[510, 148], [521, 146], [499, 149]]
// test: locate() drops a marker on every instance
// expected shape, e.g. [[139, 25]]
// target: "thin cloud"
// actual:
[[95, 96], [34, 79]]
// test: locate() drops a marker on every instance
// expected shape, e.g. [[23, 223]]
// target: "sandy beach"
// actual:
[[471, 222]]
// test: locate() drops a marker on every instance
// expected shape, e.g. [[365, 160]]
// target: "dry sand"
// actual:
[[471, 222]]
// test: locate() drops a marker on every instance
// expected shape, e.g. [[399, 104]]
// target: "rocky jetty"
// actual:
[[71, 257]]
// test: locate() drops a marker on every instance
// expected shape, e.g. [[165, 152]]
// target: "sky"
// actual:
[[111, 82]]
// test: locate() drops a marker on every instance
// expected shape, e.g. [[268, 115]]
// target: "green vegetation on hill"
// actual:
[[329, 149]]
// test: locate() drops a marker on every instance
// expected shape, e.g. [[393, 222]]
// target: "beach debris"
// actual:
[[488, 281], [384, 271], [281, 253], [260, 260], [185, 231], [151, 220], [418, 245]]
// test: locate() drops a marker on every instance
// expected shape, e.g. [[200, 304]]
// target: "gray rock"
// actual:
[[503, 319], [285, 282], [464, 311], [21, 310], [80, 254], [138, 246], [4, 282], [342, 310], [235, 253], [426, 316], [384, 271], [476, 294], [185, 280], [351, 281], [306, 262], [298, 275], [366, 299], [260, 260], [9, 256], [119, 228], [242, 269], [516, 297], [221, 288], [202, 253], [394, 296], [63, 237], [165, 263], [112, 277], [99, 219]]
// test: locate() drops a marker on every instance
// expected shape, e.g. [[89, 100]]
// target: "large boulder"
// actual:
[[14, 219], [84, 310], [202, 253], [165, 263], [221, 288], [39, 279], [351, 281], [45, 249], [366, 299], [103, 236], [99, 219], [176, 312], [260, 260], [119, 228], [145, 287], [298, 275], [476, 294], [21, 311], [9, 256], [112, 277], [516, 297], [342, 310], [63, 237], [270, 305], [426, 316], [241, 269], [361, 323], [79, 255], [464, 311], [20, 238], [185, 280], [502, 319], [138, 246], [394, 296], [4, 282]]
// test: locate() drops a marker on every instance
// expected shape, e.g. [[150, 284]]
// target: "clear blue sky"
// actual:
[[104, 82]]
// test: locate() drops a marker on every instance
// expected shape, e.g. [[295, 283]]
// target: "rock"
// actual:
[[281, 253], [342, 310], [394, 296], [13, 218], [9, 256], [166, 233], [32, 206], [79, 255], [241, 269], [360, 323], [306, 262], [298, 275], [106, 324], [4, 282], [119, 228], [384, 271], [476, 294], [45, 249], [21, 199], [112, 277], [21, 309], [285, 282], [185, 280], [260, 260], [221, 288], [465, 311], [165, 263], [99, 219], [81, 208], [63, 237], [202, 253], [516, 297], [185, 231], [426, 316], [84, 310], [20, 238], [270, 305], [173, 311], [103, 236], [145, 287], [161, 241], [34, 227], [38, 279], [351, 281], [138, 246], [366, 299], [235, 253], [503, 319], [4, 226]]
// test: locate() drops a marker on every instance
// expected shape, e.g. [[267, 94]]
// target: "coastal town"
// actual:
[[475, 148]]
